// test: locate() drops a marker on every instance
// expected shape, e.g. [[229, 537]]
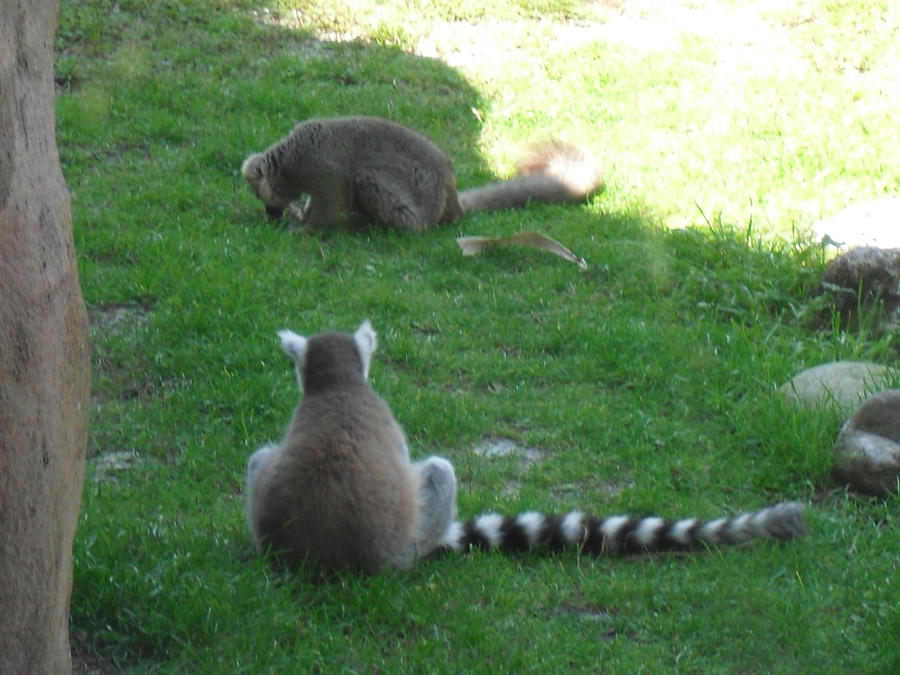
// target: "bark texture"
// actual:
[[44, 354]]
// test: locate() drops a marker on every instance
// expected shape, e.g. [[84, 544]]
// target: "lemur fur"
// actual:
[[367, 170], [340, 489]]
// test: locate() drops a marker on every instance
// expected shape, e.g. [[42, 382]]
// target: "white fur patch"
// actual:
[[743, 525], [531, 522], [712, 531], [365, 343], [646, 532], [453, 536], [293, 345], [262, 455], [572, 527], [489, 526], [679, 531], [611, 526]]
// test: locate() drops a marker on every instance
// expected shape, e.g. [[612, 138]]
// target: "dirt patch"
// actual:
[[116, 318], [108, 466], [506, 447]]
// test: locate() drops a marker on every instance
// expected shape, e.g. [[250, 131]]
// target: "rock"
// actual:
[[875, 223], [863, 277], [841, 384], [867, 450]]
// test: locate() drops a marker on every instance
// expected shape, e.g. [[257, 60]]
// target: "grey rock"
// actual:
[[867, 450], [867, 278], [843, 385]]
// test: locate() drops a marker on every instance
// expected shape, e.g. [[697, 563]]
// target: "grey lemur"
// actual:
[[341, 492], [365, 170]]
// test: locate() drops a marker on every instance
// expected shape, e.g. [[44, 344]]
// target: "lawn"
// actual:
[[645, 383]]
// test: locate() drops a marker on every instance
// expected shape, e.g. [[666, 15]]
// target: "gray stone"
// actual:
[[867, 450], [843, 385], [874, 223], [867, 278]]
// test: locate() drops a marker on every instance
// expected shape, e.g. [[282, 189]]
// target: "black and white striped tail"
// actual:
[[620, 534]]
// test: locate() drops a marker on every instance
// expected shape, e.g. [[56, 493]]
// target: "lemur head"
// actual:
[[330, 358], [254, 170]]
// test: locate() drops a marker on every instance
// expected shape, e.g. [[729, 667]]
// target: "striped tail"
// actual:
[[619, 534]]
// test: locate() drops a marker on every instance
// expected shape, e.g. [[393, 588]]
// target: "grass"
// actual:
[[646, 382]]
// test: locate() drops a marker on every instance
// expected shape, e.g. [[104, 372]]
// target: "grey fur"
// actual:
[[362, 170]]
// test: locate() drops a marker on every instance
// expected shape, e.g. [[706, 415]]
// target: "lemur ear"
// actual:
[[365, 343], [294, 346]]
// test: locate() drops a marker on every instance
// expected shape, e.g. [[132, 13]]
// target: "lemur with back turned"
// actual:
[[368, 170], [340, 491]]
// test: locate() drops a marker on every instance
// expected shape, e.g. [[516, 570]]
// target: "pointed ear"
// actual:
[[294, 346], [365, 343]]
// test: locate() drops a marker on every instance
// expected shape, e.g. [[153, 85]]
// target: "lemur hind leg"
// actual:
[[388, 201], [254, 490], [437, 503], [257, 459]]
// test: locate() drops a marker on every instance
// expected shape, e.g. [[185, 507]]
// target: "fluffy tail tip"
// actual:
[[574, 167], [785, 521]]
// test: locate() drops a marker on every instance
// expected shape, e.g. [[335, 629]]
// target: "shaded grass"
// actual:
[[647, 382]]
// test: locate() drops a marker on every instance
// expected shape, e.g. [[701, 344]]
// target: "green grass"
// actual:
[[647, 382]]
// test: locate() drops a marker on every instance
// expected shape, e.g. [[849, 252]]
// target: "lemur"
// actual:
[[341, 492], [366, 170]]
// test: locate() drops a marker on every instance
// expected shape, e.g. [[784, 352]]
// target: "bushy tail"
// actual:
[[551, 173], [620, 534]]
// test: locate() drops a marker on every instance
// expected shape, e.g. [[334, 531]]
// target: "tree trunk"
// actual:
[[44, 354]]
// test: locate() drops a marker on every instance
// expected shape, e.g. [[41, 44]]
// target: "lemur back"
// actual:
[[361, 170], [341, 491], [339, 488]]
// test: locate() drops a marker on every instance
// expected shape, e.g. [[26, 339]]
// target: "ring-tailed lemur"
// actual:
[[362, 170], [340, 488]]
